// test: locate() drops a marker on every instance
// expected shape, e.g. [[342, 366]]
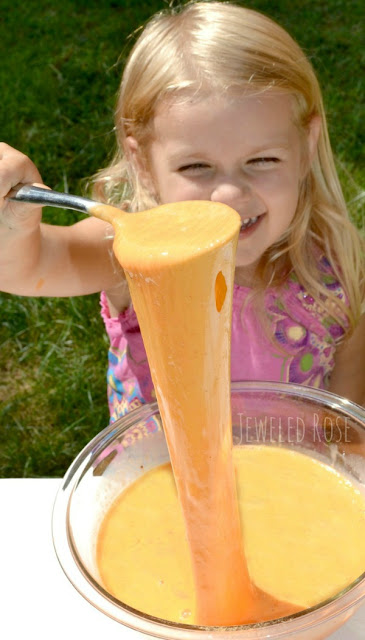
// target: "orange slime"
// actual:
[[179, 263]]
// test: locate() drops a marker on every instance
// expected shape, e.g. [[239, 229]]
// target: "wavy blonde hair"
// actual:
[[219, 46]]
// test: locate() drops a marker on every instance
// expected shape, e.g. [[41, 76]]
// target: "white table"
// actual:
[[36, 598]]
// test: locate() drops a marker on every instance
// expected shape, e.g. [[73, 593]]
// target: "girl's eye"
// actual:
[[193, 168], [264, 162]]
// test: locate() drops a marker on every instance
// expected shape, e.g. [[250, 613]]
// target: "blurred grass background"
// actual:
[[60, 67]]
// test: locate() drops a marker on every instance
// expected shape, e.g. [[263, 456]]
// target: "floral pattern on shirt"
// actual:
[[307, 333]]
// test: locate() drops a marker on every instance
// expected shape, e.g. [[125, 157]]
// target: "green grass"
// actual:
[[61, 65]]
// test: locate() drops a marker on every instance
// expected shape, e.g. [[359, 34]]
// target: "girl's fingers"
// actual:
[[16, 168]]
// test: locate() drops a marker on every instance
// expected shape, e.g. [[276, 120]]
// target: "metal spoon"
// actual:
[[39, 195], [48, 197]]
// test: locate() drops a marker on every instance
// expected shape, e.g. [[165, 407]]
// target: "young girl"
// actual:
[[217, 102]]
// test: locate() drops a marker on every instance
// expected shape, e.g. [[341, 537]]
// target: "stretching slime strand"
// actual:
[[180, 268]]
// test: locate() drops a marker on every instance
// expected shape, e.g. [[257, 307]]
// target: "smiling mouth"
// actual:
[[247, 223]]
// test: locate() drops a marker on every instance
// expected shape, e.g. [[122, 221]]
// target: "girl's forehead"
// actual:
[[192, 115], [185, 103]]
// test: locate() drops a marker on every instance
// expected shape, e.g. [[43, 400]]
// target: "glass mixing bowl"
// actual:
[[318, 423]]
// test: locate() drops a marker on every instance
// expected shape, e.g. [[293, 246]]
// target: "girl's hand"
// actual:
[[39, 259], [15, 169]]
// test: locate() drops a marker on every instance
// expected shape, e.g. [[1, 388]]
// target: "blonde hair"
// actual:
[[219, 46]]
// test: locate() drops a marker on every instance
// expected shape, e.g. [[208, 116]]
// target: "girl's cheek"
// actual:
[[178, 190], [277, 184]]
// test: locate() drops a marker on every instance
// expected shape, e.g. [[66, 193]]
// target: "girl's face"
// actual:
[[244, 151]]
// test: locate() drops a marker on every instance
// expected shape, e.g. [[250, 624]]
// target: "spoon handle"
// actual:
[[38, 195]]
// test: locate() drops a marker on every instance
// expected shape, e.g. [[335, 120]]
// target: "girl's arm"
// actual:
[[348, 376], [45, 260]]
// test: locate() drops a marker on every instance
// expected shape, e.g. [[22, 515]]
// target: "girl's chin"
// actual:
[[247, 262]]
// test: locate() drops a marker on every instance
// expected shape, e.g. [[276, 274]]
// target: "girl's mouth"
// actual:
[[249, 224]]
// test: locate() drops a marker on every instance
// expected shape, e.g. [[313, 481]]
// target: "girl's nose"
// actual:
[[235, 194]]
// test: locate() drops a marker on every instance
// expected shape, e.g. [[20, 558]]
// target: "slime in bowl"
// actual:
[[321, 425]]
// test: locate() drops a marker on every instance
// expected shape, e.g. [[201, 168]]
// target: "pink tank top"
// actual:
[[298, 344]]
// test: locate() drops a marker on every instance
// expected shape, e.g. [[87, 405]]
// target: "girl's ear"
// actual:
[[310, 145], [314, 129], [131, 149], [138, 163]]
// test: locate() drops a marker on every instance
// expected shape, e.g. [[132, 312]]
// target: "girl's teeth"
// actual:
[[247, 222]]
